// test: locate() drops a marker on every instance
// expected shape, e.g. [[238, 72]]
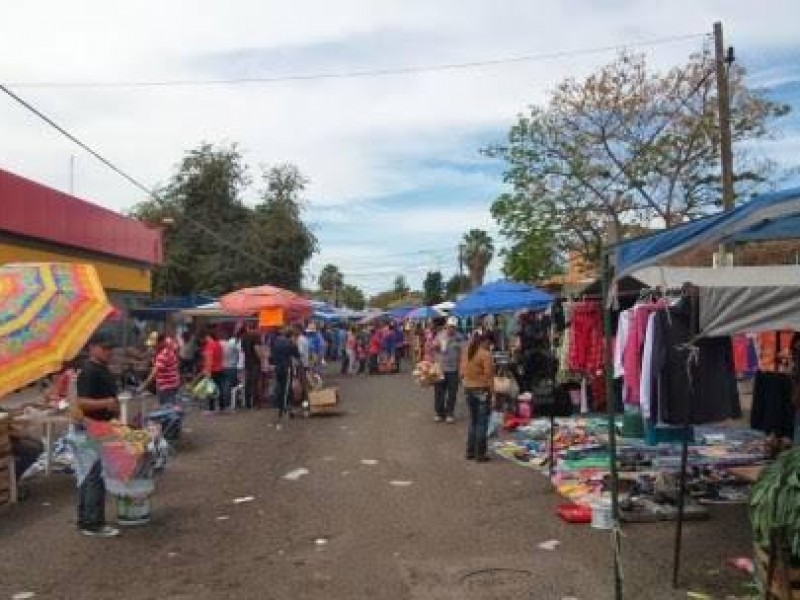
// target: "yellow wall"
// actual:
[[113, 276]]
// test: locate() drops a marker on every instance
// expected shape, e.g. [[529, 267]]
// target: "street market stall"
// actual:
[[735, 306]]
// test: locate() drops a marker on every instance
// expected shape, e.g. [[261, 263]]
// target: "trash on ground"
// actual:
[[23, 595], [550, 545], [743, 564], [371, 462], [223, 518], [401, 483], [296, 474], [698, 596], [243, 499], [321, 541]]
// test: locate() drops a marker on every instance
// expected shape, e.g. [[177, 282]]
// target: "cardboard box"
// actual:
[[324, 400]]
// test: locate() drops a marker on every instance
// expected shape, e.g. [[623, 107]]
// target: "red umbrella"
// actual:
[[266, 297]]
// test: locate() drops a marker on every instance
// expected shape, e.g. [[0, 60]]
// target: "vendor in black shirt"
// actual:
[[97, 399]]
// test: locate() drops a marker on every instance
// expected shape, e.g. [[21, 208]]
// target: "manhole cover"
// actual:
[[498, 579]]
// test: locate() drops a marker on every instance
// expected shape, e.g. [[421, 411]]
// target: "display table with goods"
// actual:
[[131, 459], [580, 472]]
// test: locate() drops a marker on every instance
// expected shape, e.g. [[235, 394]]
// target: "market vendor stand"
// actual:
[[722, 311]]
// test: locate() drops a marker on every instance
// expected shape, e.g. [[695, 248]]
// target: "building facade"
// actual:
[[40, 224]]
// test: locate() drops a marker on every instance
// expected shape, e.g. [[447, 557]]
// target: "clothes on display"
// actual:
[[773, 411], [696, 382], [586, 338]]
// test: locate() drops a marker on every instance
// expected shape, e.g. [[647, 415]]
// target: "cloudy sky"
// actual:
[[394, 160]]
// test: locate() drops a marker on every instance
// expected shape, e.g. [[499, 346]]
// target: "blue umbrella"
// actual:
[[501, 297], [424, 312]]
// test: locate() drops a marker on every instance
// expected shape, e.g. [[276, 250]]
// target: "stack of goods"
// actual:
[[428, 373], [5, 458]]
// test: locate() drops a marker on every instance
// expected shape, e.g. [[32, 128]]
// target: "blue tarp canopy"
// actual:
[[158, 311], [501, 297], [772, 216], [400, 312]]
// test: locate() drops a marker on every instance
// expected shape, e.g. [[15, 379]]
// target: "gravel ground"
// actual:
[[389, 510]]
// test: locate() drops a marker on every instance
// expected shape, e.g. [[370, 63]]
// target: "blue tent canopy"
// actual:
[[501, 297], [772, 216]]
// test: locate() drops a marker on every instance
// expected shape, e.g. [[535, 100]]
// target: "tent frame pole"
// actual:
[[688, 418], [612, 426]]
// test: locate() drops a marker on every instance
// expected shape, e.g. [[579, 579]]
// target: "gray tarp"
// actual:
[[732, 310]]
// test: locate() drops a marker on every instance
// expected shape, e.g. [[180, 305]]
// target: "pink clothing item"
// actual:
[[632, 359]]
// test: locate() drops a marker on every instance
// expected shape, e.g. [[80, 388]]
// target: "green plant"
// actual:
[[775, 502]]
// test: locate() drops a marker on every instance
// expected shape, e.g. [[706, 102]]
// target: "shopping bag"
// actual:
[[205, 388], [495, 423]]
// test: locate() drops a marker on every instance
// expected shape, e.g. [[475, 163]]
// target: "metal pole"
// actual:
[[612, 426]]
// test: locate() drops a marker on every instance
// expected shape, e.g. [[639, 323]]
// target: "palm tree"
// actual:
[[478, 250]]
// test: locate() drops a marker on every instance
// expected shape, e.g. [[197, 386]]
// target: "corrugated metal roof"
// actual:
[[36, 211]]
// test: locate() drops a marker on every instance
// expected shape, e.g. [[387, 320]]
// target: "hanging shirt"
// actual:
[[621, 341], [697, 382], [633, 350], [647, 382]]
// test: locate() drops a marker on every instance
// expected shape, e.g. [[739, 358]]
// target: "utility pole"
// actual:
[[723, 62], [461, 249]]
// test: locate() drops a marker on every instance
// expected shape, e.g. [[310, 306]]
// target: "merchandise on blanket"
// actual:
[[428, 373]]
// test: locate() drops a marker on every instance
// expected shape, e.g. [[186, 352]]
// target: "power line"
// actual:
[[355, 74], [152, 194]]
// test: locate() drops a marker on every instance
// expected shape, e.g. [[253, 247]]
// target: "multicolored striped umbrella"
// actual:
[[47, 313]]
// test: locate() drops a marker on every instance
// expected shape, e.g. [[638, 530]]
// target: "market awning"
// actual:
[[501, 297], [772, 216], [161, 309]]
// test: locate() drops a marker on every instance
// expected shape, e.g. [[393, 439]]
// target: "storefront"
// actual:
[[38, 223]]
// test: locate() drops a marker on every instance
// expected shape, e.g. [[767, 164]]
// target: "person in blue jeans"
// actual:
[[447, 348], [477, 368], [97, 399]]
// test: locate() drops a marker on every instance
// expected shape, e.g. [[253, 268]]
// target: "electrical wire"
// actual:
[[355, 74], [150, 193]]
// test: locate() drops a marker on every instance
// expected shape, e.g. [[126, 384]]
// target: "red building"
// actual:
[[38, 223]]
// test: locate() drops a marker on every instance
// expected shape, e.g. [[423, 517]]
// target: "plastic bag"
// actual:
[[205, 389], [495, 422]]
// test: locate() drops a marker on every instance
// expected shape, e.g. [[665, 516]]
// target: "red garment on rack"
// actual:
[[586, 338], [634, 348]]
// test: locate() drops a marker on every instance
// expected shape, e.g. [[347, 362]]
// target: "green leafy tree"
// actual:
[[331, 281], [625, 146], [478, 253], [277, 231], [455, 286], [213, 242], [401, 286], [203, 200], [433, 288], [353, 298]]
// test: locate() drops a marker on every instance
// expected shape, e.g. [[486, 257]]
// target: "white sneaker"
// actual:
[[106, 531], [451, 420], [438, 419]]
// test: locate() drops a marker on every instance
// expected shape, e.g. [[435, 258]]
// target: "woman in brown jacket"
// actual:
[[477, 369]]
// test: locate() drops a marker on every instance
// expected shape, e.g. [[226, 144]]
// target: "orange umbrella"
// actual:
[[266, 297]]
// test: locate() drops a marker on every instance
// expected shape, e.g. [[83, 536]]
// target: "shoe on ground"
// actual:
[[438, 419], [106, 532], [482, 459], [470, 457], [451, 420]]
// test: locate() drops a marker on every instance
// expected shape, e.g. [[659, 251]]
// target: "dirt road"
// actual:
[[389, 510]]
